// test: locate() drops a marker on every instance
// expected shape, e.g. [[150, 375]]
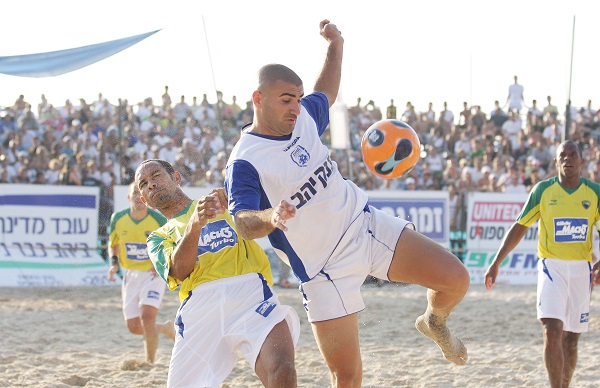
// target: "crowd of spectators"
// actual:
[[101, 143]]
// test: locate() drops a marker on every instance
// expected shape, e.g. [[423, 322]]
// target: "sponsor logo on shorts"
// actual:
[[136, 251], [570, 229], [585, 317], [265, 308], [216, 236], [153, 295]]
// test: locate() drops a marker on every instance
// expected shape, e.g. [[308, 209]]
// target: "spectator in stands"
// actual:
[[550, 111], [390, 112], [498, 116], [446, 118], [515, 99]]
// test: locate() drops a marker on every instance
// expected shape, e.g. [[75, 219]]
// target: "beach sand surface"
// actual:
[[73, 337]]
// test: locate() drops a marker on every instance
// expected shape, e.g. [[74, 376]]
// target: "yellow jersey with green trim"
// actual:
[[222, 253], [131, 236], [566, 218]]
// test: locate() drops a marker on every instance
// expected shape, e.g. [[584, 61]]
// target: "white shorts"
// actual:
[[563, 292], [141, 288], [366, 249], [217, 319]]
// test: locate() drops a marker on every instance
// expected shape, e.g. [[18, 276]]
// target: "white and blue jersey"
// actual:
[[263, 170]]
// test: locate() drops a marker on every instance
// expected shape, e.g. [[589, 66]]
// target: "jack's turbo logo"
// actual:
[[216, 236]]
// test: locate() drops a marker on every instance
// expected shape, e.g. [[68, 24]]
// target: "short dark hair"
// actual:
[[166, 165], [570, 142], [274, 72]]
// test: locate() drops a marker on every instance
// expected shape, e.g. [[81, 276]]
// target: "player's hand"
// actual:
[[490, 276], [207, 208], [153, 272], [222, 196], [112, 271], [282, 212], [329, 31]]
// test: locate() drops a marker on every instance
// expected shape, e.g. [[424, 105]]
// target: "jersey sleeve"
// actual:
[[113, 236], [531, 210], [242, 184], [317, 106], [160, 249]]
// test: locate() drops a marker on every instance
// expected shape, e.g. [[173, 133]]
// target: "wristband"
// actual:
[[114, 260]]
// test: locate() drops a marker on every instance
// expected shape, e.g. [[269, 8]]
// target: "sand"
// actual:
[[65, 337]]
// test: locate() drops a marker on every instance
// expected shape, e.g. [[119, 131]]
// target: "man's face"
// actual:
[[155, 184], [568, 162], [278, 106], [135, 197]]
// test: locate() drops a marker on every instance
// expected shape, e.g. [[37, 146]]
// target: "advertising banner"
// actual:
[[428, 210], [49, 236]]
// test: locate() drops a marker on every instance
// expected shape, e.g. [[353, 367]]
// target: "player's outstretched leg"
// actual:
[[167, 329], [435, 328], [420, 260]]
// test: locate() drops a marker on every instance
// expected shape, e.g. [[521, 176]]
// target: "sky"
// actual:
[[419, 51]]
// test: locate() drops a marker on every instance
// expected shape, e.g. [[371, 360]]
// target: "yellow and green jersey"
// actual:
[[567, 217], [221, 252], [131, 237]]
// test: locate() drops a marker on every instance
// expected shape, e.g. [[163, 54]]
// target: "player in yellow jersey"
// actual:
[[567, 207], [227, 300], [142, 289]]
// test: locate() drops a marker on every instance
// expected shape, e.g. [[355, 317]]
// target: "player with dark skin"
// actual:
[[560, 346]]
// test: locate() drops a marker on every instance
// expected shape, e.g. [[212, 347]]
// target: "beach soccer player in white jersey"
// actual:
[[282, 183]]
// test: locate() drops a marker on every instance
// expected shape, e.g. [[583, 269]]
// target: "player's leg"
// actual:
[[554, 359], [569, 344], [150, 297], [131, 308], [275, 365], [338, 342], [419, 260], [135, 326], [167, 329], [148, 319]]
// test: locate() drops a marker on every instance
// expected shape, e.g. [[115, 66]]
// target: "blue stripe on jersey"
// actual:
[[279, 241], [317, 106]]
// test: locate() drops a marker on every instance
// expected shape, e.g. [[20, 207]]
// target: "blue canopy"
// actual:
[[63, 61]]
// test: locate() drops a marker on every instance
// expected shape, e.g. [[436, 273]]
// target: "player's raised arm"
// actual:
[[185, 255], [329, 79]]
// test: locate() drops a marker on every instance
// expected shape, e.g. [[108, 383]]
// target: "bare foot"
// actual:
[[435, 328], [167, 329]]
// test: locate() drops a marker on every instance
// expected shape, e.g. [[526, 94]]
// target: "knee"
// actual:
[[570, 341], [148, 318], [283, 374], [553, 331], [134, 326], [457, 279], [347, 376]]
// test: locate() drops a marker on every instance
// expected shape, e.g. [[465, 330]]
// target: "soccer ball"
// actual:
[[390, 148]]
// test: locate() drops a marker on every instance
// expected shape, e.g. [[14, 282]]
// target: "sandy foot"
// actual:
[[452, 347]]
